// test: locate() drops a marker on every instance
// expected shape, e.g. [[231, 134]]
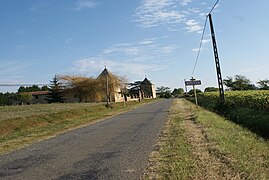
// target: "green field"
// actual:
[[22, 125], [258, 99]]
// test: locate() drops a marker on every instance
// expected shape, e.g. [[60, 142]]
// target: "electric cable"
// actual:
[[202, 38]]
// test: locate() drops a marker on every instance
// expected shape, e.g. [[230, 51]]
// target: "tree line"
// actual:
[[236, 83]]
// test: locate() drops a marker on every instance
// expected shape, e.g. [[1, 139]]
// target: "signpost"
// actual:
[[193, 82]]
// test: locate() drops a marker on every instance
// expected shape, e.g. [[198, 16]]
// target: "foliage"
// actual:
[[23, 97], [55, 91], [135, 88], [239, 83], [256, 99], [84, 88], [163, 92], [264, 84], [17, 98], [177, 92], [211, 89], [191, 92], [248, 108], [32, 88], [89, 89], [5, 98]]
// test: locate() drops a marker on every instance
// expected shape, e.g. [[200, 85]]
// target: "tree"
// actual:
[[211, 89], [4, 99], [163, 92], [135, 89], [55, 91], [24, 97], [86, 89], [191, 92], [238, 83], [263, 84], [32, 88], [177, 92]]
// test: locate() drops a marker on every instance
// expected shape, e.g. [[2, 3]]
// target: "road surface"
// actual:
[[116, 148]]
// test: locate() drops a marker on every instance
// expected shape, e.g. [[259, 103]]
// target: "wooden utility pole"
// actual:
[[107, 90], [220, 83]]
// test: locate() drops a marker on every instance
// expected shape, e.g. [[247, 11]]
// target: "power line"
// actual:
[[30, 84], [213, 7], [199, 49], [202, 38]]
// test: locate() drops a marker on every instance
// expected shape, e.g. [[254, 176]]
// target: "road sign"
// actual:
[[193, 83]]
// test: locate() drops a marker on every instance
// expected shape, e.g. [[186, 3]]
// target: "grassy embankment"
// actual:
[[199, 144], [250, 109], [22, 125]]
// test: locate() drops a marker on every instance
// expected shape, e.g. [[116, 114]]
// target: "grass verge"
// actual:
[[23, 125], [199, 144], [172, 158]]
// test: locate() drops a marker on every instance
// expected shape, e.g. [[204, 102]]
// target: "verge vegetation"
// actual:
[[22, 125], [247, 108], [199, 144]]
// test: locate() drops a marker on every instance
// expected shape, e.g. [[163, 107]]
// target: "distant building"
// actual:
[[109, 87], [148, 89], [39, 97]]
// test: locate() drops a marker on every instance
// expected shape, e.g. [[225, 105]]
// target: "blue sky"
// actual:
[[135, 38]]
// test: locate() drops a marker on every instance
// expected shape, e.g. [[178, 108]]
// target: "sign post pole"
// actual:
[[193, 82], [194, 90]]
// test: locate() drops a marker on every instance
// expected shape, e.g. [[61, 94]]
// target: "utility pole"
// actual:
[[107, 90], [185, 86], [220, 83]]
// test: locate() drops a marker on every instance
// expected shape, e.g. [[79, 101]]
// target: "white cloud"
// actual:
[[205, 41], [170, 14], [131, 59], [85, 5], [193, 26], [185, 2], [95, 65], [157, 12], [197, 49]]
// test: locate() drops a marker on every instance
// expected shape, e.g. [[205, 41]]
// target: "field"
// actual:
[[250, 109], [22, 125], [200, 144], [258, 100]]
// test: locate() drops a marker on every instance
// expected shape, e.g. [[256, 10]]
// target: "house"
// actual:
[[148, 89], [39, 97], [110, 87]]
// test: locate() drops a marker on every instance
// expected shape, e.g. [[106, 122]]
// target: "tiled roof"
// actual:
[[35, 93]]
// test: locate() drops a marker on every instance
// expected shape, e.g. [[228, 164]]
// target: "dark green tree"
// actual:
[[163, 92], [30, 88], [211, 89], [191, 92], [55, 91], [264, 84], [239, 82], [177, 92]]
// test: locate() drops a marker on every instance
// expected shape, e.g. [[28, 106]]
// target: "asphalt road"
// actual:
[[116, 148]]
